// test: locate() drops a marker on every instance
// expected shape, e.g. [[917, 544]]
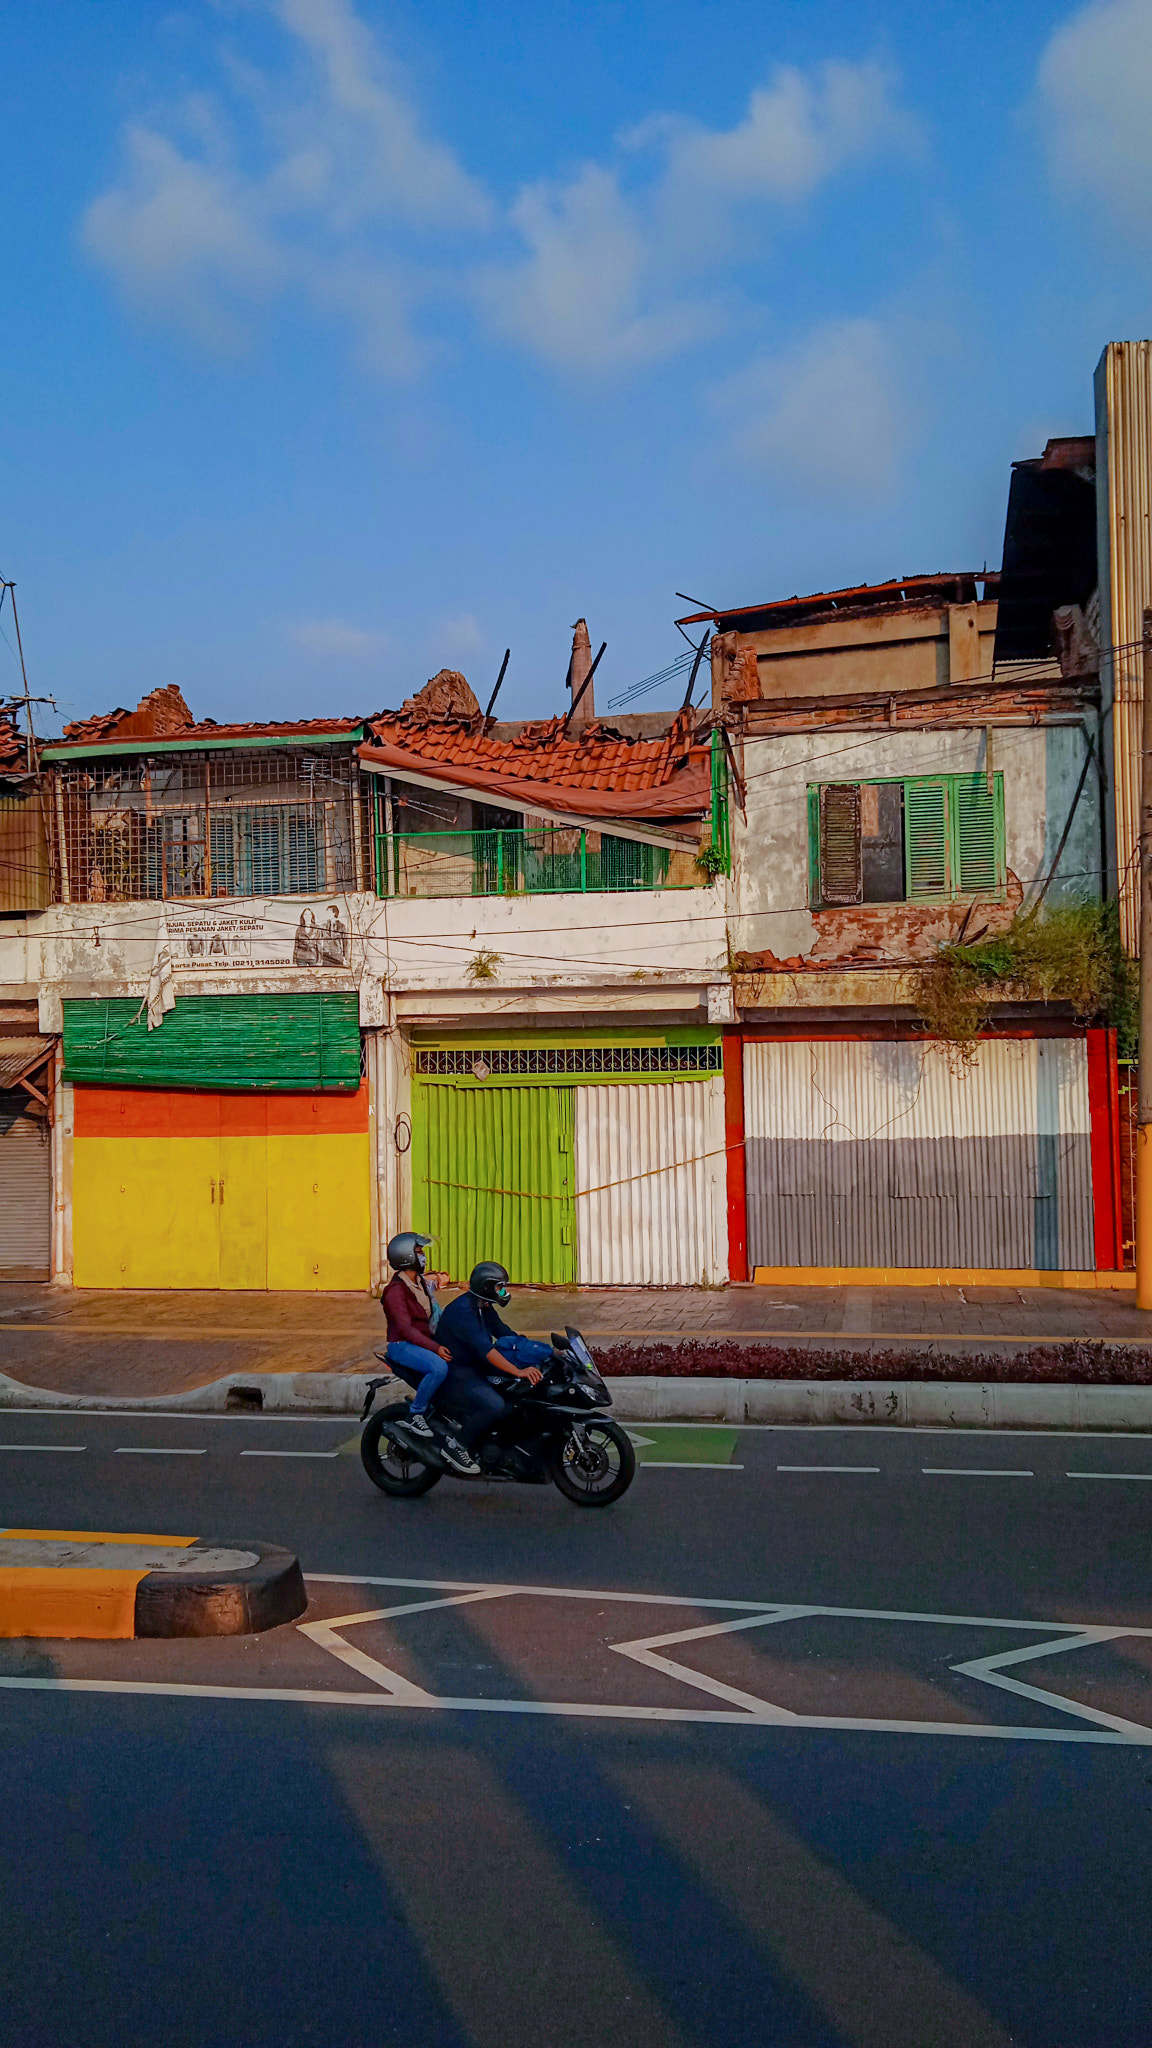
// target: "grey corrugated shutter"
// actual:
[[25, 1193], [218, 1042], [840, 875]]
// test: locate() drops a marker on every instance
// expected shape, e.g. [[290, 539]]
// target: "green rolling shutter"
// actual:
[[979, 834], [492, 1178], [926, 837], [217, 1042]]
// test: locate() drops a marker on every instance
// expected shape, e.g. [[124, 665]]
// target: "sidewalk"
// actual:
[[168, 1343]]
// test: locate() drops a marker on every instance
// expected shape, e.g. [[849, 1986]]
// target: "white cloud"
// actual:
[[827, 415], [338, 639], [457, 639], [1095, 90], [605, 279], [312, 183]]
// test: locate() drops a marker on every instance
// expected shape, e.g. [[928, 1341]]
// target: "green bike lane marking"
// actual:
[[681, 1444]]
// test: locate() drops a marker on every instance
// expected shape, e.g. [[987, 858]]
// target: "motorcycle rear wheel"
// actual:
[[597, 1471], [387, 1467]]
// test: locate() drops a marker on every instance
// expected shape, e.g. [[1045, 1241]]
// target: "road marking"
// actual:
[[289, 1454], [43, 1447], [973, 1472], [684, 1465], [828, 1468], [157, 1451], [1108, 1475], [393, 1692]]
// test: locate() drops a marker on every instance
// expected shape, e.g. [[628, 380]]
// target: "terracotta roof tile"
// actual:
[[593, 756], [13, 759]]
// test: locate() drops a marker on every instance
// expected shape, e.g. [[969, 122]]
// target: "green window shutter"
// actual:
[[979, 834], [217, 1042], [840, 873], [927, 865], [813, 847]]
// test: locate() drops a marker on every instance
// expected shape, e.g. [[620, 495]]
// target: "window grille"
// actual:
[[278, 821], [540, 1061]]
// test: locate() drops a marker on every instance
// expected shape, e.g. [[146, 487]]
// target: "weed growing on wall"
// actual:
[[1070, 954]]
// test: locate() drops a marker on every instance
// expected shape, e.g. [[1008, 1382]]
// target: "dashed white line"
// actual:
[[289, 1454], [157, 1451], [43, 1447], [684, 1465], [828, 1468], [1108, 1475], [972, 1472]]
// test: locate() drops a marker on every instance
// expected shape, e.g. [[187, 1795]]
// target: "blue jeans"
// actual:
[[431, 1369], [523, 1351]]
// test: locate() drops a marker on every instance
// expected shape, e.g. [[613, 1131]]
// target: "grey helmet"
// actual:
[[406, 1252], [489, 1281]]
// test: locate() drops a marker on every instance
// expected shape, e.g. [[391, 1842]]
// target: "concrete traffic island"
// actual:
[[82, 1584]]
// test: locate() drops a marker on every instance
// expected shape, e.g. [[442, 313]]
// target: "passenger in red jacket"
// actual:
[[411, 1315]]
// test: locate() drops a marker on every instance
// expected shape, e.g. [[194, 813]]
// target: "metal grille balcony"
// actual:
[[533, 861]]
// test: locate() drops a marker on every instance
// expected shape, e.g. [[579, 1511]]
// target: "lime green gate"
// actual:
[[493, 1178]]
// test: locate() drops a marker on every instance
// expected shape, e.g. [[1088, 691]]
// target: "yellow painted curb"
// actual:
[[74, 1601], [927, 1276]]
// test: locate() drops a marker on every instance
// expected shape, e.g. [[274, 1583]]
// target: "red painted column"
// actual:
[[1104, 1113], [734, 1153]]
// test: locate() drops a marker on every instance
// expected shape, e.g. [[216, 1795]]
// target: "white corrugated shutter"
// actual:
[[650, 1184], [25, 1194], [883, 1154]]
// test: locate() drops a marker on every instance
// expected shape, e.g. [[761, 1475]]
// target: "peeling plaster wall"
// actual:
[[672, 935], [1041, 768]]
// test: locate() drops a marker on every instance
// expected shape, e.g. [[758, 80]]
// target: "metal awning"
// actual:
[[21, 1056]]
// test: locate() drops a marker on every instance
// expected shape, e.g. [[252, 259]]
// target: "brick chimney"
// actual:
[[581, 663]]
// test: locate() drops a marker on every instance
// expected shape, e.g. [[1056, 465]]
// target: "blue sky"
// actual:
[[345, 342]]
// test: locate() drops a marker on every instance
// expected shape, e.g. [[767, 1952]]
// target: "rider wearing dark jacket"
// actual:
[[482, 1347]]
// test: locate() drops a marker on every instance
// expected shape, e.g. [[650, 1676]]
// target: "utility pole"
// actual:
[[1144, 1110]]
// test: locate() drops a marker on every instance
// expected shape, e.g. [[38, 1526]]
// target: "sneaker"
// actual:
[[454, 1454], [420, 1426]]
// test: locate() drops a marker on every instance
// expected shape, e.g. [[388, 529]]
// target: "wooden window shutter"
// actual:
[[840, 872], [979, 834], [926, 837]]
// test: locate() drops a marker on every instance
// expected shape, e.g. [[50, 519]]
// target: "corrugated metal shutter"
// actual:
[[492, 1179], [882, 1155], [25, 1193], [260, 1042], [650, 1182]]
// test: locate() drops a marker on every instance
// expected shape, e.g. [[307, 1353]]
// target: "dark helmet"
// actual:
[[406, 1252], [489, 1281]]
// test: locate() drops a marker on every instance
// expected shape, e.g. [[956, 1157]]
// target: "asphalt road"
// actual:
[[851, 1744]]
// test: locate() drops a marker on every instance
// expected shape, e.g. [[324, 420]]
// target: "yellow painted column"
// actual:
[[1144, 1216]]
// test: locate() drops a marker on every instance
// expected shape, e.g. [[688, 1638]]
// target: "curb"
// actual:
[[915, 1404], [70, 1584]]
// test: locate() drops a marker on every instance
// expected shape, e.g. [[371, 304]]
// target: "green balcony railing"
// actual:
[[538, 861]]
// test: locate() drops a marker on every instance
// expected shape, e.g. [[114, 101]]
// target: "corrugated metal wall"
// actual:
[[25, 1193], [865, 1154], [650, 1207], [25, 880], [266, 1042], [1124, 498], [492, 1178]]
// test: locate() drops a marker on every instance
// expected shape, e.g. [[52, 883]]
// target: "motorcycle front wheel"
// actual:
[[596, 1463], [389, 1468]]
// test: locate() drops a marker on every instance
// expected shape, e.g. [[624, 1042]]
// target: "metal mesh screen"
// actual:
[[273, 822], [569, 1059]]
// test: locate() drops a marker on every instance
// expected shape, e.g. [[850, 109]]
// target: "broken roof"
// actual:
[[164, 717], [592, 769], [921, 592], [13, 756]]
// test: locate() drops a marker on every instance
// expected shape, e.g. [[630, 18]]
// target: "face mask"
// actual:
[[503, 1296]]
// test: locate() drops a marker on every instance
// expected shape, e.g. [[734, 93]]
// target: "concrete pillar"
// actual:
[[581, 663]]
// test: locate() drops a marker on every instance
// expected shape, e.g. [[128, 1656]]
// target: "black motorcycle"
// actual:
[[554, 1431]]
